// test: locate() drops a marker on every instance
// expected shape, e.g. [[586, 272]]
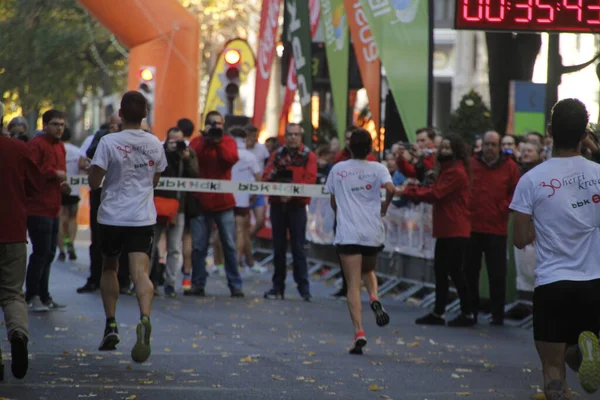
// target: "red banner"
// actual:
[[366, 57], [269, 22], [315, 14]]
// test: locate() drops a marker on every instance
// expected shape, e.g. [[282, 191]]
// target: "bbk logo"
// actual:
[[136, 166], [595, 199]]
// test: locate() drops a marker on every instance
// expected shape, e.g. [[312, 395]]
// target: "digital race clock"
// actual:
[[529, 15]]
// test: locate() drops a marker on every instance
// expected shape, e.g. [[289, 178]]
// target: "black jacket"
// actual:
[[188, 168]]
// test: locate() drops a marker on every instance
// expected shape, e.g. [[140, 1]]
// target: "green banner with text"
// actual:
[[401, 32], [337, 45], [298, 20]]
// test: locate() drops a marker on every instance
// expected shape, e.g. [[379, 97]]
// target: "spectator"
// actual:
[[19, 180], [495, 177], [292, 163], [272, 144], [530, 157], [70, 203], [421, 157], [509, 145], [181, 163], [186, 127], [451, 198], [477, 145], [17, 128], [48, 153], [345, 154], [324, 162], [217, 154], [535, 138]]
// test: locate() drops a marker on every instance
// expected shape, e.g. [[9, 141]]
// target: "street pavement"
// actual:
[[222, 348]]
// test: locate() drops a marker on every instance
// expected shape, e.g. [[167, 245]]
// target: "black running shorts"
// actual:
[[351, 249], [564, 309], [130, 239]]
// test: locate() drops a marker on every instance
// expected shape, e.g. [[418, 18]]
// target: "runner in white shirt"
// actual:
[[557, 205], [70, 203], [245, 170], [130, 162], [355, 187]]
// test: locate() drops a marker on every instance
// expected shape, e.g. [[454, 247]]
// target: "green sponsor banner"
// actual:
[[401, 32], [337, 45], [299, 30]]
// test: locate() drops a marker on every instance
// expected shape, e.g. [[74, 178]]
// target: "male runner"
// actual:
[[556, 205], [130, 162]]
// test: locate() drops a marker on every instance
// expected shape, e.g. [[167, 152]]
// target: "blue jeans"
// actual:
[[292, 219], [201, 227], [43, 233]]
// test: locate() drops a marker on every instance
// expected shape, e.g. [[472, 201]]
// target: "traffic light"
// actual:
[[147, 86], [233, 63]]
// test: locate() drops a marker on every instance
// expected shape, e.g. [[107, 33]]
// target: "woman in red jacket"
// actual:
[[451, 197]]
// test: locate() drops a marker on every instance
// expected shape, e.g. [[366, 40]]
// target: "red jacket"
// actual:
[[408, 170], [49, 156], [493, 188], [303, 165], [215, 161], [451, 198], [345, 155], [19, 180]]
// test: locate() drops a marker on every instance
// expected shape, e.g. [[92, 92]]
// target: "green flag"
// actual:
[[299, 30], [401, 32], [335, 25]]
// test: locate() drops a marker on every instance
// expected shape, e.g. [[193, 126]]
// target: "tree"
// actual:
[[472, 117], [53, 52]]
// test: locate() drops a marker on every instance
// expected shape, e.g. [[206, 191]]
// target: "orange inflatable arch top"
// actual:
[[163, 34]]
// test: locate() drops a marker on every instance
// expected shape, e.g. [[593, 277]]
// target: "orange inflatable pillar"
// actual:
[[163, 34]]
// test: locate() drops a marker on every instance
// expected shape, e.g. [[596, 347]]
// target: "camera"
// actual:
[[284, 175], [181, 146], [213, 131]]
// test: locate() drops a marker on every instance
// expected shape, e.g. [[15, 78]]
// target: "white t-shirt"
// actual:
[[261, 153], [86, 145], [562, 195], [356, 185], [130, 159], [244, 170], [73, 156]]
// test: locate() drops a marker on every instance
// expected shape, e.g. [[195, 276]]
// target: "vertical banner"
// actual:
[[402, 34], [269, 22], [335, 25], [301, 40], [367, 57]]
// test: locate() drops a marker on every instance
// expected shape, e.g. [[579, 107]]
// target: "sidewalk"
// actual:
[[223, 348]]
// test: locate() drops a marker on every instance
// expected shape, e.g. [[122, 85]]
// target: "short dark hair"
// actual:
[[350, 129], [210, 114], [361, 143], [186, 126], [134, 107], [53, 114], [66, 136], [510, 135], [272, 140], [238, 132], [173, 129], [251, 129], [430, 132], [569, 122]]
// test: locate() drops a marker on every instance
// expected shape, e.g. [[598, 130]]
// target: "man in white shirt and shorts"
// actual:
[[557, 205], [130, 162]]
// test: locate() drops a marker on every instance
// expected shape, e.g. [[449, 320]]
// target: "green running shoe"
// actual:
[[141, 351], [589, 371]]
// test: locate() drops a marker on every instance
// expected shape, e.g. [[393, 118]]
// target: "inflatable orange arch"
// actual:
[[163, 34]]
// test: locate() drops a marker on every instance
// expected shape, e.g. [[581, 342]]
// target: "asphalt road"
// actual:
[[221, 348]]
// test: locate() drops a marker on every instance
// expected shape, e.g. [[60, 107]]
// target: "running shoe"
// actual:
[[20, 354], [381, 317], [360, 341], [111, 337], [141, 350], [589, 371]]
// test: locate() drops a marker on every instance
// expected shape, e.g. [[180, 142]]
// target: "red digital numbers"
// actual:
[[529, 16], [595, 8], [468, 17], [577, 7], [549, 16], [500, 12]]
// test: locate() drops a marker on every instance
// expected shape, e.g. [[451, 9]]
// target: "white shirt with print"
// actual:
[[73, 155], [563, 196], [130, 159], [356, 185], [244, 170], [261, 153]]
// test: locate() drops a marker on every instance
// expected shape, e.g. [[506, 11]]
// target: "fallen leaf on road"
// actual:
[[463, 370], [307, 362], [385, 396], [128, 368], [248, 359], [456, 376], [66, 379], [195, 346], [414, 344], [216, 386], [463, 393], [65, 353], [167, 350], [132, 397], [538, 396], [49, 337], [187, 371], [311, 353], [277, 378], [374, 388]]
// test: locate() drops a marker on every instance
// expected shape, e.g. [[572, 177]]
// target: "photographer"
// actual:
[[217, 154], [292, 163], [421, 157], [170, 205]]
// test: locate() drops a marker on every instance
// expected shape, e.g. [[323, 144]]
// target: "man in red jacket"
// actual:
[[48, 153], [495, 177], [422, 156], [216, 153], [292, 163], [19, 179], [345, 153]]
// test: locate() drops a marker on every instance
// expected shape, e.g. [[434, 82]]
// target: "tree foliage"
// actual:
[[51, 51], [472, 117]]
